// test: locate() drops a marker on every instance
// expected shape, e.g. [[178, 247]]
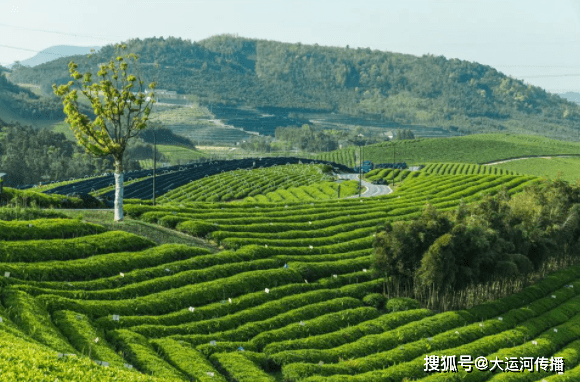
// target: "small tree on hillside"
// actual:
[[120, 116]]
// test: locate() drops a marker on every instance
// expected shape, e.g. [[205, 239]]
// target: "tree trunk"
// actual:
[[118, 189]]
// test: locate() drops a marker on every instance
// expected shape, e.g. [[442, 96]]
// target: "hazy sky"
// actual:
[[534, 40]]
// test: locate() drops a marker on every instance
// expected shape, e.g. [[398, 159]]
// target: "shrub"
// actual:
[[69, 249], [375, 300], [139, 352], [17, 213], [402, 303], [196, 227]]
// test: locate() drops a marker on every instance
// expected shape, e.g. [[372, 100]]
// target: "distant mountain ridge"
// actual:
[[55, 52], [571, 96], [385, 86]]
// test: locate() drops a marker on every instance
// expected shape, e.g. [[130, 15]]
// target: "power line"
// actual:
[[537, 66], [547, 75], [31, 50], [57, 32]]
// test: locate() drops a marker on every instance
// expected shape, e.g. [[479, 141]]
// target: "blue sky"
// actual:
[[534, 40]]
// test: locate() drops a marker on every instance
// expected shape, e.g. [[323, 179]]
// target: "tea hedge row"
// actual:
[[85, 337], [70, 249], [187, 360], [200, 322], [566, 314], [158, 284], [322, 324], [34, 320], [239, 368], [141, 354], [340, 337], [244, 302], [302, 194], [105, 265], [22, 360], [47, 229], [249, 330], [176, 299], [451, 338]]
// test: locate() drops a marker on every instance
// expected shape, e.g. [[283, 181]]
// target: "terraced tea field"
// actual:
[[464, 168], [292, 183], [477, 148], [289, 298], [139, 183]]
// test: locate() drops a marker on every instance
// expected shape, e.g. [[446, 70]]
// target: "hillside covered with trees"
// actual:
[[26, 104], [30, 156], [392, 87]]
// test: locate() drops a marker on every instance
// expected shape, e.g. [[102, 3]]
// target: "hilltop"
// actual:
[[384, 86]]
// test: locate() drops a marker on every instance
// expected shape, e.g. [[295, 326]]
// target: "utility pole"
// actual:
[[360, 165], [154, 161], [359, 170], [393, 165]]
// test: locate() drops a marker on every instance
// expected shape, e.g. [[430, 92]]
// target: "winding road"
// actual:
[[371, 189]]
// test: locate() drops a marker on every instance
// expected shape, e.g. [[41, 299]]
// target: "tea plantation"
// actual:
[[476, 148], [290, 297], [287, 293]]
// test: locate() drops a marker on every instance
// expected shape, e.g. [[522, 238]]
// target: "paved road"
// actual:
[[371, 189]]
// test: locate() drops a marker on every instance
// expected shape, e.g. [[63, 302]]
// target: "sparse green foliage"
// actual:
[[120, 116]]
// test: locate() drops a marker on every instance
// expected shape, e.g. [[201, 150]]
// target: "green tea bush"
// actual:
[[375, 300], [85, 337], [176, 299], [402, 303], [34, 320], [239, 368], [189, 361], [141, 354], [43, 229], [196, 228], [69, 249], [352, 333]]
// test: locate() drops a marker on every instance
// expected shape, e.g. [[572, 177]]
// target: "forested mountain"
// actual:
[[406, 89], [571, 96]]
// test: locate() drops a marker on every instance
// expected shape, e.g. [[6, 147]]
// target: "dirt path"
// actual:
[[510, 160]]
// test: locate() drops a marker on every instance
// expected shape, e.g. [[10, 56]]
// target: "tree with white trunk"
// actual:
[[120, 115]]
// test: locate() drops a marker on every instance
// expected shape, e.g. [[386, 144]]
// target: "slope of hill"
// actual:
[[18, 104], [390, 87], [549, 167], [478, 148], [55, 52]]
